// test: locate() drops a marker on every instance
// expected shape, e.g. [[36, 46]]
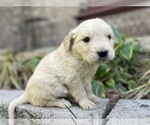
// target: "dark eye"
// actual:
[[86, 39], [109, 37]]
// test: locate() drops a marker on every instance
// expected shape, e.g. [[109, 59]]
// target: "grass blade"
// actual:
[[71, 111]]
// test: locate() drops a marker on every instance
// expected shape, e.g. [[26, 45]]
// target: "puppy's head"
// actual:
[[92, 41]]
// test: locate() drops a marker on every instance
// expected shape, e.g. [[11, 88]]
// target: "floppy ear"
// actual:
[[69, 41]]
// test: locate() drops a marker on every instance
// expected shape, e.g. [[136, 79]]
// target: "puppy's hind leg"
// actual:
[[62, 103]]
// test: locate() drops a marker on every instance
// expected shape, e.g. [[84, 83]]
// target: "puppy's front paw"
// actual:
[[64, 103], [94, 98], [87, 104]]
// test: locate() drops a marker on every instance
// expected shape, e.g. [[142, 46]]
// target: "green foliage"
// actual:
[[15, 71], [32, 63], [143, 89], [123, 72], [98, 88]]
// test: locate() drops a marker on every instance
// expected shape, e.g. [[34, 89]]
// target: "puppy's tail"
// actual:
[[20, 100]]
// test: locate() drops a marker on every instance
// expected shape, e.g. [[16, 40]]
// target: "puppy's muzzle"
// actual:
[[103, 55]]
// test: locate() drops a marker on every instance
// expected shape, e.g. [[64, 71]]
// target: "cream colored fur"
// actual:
[[69, 69]]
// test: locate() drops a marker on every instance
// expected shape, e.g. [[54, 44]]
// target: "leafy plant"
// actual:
[[32, 63], [15, 71], [123, 72], [143, 89]]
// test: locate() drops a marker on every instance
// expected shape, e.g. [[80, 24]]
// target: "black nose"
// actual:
[[103, 54]]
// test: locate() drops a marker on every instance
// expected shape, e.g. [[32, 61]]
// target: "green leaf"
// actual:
[[121, 88], [110, 83], [119, 46], [94, 86], [34, 62], [101, 90], [137, 47], [117, 35], [127, 51], [131, 84], [103, 70], [98, 88]]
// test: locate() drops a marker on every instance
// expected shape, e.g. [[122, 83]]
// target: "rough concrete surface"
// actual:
[[125, 109], [27, 113], [5, 98], [58, 116], [126, 112], [128, 122], [130, 112]]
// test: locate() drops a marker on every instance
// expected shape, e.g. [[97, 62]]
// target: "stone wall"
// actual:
[[27, 27], [24, 28], [132, 23]]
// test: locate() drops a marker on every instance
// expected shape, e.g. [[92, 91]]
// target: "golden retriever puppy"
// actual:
[[69, 69]]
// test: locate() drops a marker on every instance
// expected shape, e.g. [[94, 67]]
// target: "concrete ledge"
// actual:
[[5, 98], [55, 121], [27, 111], [126, 112], [32, 112], [128, 122], [130, 112], [128, 109]]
